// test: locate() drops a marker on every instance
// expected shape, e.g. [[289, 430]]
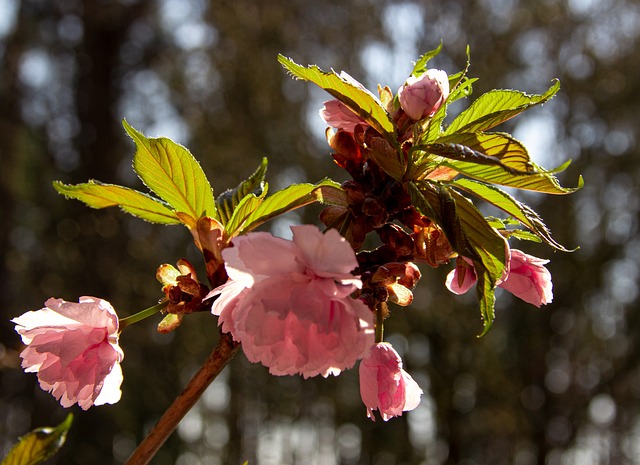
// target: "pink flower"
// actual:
[[73, 347], [337, 115], [289, 304], [422, 96], [526, 278], [384, 385]]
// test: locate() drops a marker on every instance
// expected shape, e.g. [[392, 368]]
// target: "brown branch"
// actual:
[[218, 359]]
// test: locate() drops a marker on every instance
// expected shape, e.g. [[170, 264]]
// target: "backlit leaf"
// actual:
[[38, 445], [511, 206], [174, 175], [254, 211], [540, 181], [359, 100], [496, 107], [230, 199], [98, 195]]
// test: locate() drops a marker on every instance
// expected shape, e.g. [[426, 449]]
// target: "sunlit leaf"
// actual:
[[254, 211], [540, 181], [462, 153], [39, 445], [496, 107], [359, 100], [523, 213], [421, 65], [98, 195], [511, 152], [230, 199], [172, 173]]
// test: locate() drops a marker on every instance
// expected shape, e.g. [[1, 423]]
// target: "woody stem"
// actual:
[[218, 359]]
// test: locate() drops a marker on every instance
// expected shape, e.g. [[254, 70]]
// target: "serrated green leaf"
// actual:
[[38, 445], [469, 234], [230, 199], [98, 195], [359, 100], [509, 151], [461, 153], [174, 175], [283, 201], [541, 181], [511, 206], [421, 65], [496, 107]]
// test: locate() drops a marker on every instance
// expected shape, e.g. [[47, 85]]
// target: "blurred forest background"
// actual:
[[559, 385]]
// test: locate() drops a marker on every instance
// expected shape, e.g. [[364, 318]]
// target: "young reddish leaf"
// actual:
[[38, 445], [98, 195], [172, 173]]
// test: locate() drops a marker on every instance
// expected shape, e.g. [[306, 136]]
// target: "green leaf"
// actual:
[[421, 65], [172, 173], [38, 445], [495, 107], [253, 212], [511, 153], [459, 152], [98, 195], [359, 100], [230, 199], [524, 214], [469, 234], [540, 181]]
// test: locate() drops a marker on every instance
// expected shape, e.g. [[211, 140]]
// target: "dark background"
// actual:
[[559, 385]]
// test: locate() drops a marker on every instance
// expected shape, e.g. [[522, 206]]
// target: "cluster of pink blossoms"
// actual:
[[289, 303]]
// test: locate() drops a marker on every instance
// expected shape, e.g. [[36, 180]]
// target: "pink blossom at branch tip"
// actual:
[[528, 279], [289, 304], [73, 348], [384, 385], [462, 277], [422, 96], [339, 116], [525, 277]]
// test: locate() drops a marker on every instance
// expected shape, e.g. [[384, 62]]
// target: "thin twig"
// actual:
[[218, 359]]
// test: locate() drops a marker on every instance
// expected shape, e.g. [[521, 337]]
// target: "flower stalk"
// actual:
[[146, 313], [217, 360]]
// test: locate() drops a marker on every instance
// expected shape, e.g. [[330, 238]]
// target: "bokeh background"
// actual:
[[559, 385]]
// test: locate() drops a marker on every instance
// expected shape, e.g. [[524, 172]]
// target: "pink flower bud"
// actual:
[[525, 277], [339, 116], [384, 385], [528, 279], [73, 347], [289, 304], [422, 96]]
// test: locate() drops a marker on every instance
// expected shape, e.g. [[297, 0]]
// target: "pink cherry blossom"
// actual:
[[289, 304], [462, 277], [339, 116], [73, 347], [384, 385], [525, 277], [528, 279], [422, 96]]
